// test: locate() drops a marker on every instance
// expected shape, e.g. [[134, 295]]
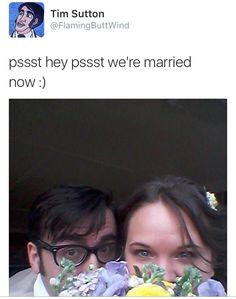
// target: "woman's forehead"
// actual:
[[164, 219]]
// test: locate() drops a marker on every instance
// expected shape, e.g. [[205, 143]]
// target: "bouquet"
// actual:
[[115, 280], [152, 283], [112, 280]]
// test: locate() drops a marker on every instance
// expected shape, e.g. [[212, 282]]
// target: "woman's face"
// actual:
[[154, 235]]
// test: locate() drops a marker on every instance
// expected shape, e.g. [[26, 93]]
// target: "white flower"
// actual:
[[69, 293], [134, 281], [54, 281], [212, 201]]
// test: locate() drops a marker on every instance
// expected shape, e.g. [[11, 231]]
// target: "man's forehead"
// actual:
[[91, 240], [78, 237], [86, 229], [88, 220], [84, 235], [107, 230], [26, 9]]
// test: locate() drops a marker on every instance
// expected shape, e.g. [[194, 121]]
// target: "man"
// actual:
[[30, 16], [75, 222]]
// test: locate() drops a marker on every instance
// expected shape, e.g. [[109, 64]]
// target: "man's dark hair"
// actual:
[[37, 11], [59, 212]]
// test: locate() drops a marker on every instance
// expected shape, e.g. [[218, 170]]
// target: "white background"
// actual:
[[158, 29]]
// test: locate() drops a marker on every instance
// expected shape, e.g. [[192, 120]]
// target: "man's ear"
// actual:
[[33, 257], [35, 21]]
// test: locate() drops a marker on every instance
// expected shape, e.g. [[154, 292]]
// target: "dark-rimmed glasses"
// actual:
[[78, 254]]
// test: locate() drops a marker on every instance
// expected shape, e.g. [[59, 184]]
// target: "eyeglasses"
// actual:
[[78, 253]]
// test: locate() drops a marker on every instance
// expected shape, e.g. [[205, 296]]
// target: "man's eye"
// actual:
[[72, 253], [29, 15], [106, 248]]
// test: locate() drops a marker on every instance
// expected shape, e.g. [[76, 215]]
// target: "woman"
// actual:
[[174, 223]]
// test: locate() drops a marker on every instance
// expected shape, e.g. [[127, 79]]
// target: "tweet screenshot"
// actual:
[[118, 145]]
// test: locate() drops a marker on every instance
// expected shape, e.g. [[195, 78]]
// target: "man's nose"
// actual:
[[22, 18], [91, 259]]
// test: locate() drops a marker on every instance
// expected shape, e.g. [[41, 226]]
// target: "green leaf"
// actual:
[[185, 284], [153, 273], [137, 271], [67, 267]]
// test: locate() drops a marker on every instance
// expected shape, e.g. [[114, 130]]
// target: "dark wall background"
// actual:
[[110, 144]]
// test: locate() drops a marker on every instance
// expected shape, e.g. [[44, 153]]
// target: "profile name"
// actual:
[[57, 13]]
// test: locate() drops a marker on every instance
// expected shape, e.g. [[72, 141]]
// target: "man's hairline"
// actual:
[[48, 236]]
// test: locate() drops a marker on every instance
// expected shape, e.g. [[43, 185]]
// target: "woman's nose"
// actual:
[[170, 269], [169, 275]]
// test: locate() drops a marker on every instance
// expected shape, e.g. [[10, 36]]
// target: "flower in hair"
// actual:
[[212, 201]]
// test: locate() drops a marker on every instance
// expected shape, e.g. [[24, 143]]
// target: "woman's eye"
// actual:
[[143, 253], [186, 255]]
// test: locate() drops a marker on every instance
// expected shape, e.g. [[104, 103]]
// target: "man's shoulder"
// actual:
[[22, 283]]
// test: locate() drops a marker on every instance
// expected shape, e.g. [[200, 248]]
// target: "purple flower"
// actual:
[[211, 288], [117, 267], [113, 280], [117, 288]]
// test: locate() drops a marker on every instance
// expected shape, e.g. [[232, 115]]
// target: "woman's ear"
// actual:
[[213, 273], [33, 257]]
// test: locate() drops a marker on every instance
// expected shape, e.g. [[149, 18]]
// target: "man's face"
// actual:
[[106, 235], [23, 20]]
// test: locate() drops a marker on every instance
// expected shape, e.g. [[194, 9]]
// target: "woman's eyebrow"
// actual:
[[189, 246], [139, 244]]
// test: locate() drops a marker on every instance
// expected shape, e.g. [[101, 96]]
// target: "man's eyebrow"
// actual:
[[27, 11], [109, 237], [30, 12], [70, 237], [81, 239]]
